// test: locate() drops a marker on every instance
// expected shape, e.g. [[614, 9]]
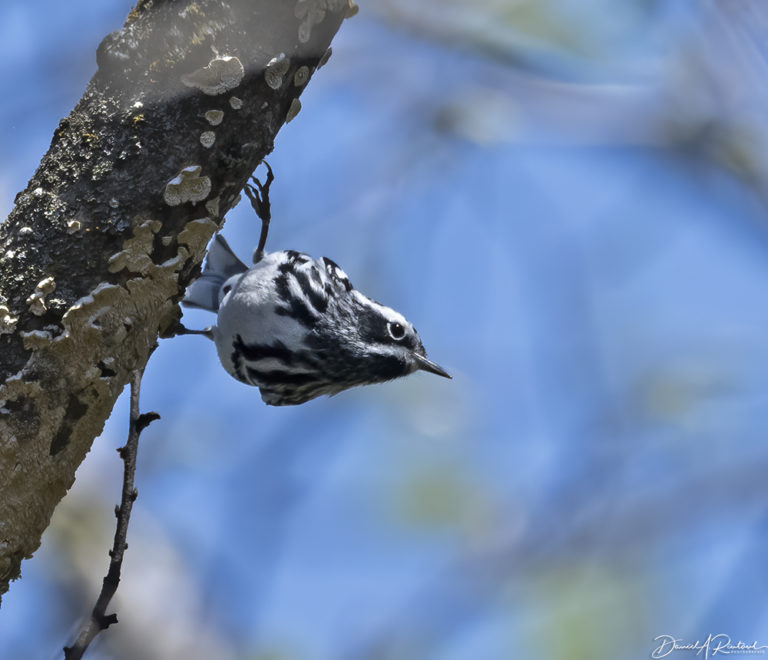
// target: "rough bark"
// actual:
[[187, 100]]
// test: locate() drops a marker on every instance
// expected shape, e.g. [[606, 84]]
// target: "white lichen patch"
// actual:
[[207, 138], [212, 206], [36, 300], [326, 56], [73, 226], [220, 75], [36, 303], [293, 110], [46, 286], [95, 322], [134, 256], [235, 102], [301, 76], [197, 233], [305, 31], [187, 186], [214, 117], [76, 314], [25, 231], [312, 12], [275, 70], [98, 314], [174, 263], [36, 339], [7, 320]]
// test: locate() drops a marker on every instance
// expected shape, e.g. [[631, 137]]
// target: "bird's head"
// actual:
[[373, 343]]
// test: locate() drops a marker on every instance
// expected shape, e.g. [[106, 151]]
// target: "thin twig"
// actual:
[[99, 619]]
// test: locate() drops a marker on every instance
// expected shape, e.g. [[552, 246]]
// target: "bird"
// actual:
[[295, 326]]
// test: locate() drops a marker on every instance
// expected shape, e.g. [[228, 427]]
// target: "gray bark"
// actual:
[[113, 225]]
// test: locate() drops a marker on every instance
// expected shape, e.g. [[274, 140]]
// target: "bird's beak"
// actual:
[[427, 365]]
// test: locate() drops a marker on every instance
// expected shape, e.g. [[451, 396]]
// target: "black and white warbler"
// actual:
[[294, 326]]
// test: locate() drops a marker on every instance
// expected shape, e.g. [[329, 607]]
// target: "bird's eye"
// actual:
[[396, 330]]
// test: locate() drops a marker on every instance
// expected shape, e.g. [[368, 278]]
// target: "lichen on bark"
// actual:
[[95, 220]]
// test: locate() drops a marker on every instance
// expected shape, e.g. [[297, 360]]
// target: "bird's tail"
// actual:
[[220, 265]]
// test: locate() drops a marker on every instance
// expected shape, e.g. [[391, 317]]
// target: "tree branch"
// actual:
[[99, 619], [187, 100]]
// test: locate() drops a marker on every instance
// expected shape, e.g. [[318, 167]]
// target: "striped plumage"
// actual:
[[296, 328]]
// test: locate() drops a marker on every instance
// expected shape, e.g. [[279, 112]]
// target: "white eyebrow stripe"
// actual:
[[387, 312]]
